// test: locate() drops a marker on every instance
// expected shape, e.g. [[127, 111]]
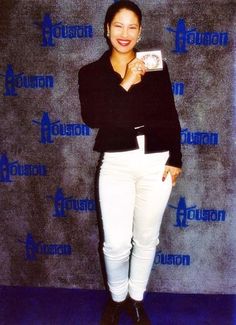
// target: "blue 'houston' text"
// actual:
[[191, 37], [184, 214], [32, 248], [14, 81], [63, 204], [51, 31], [49, 129]]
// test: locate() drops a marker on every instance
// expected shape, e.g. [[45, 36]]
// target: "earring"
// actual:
[[139, 38], [108, 34]]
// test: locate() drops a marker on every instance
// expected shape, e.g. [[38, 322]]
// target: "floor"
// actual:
[[53, 306]]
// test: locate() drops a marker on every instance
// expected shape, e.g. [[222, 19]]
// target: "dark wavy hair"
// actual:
[[115, 8]]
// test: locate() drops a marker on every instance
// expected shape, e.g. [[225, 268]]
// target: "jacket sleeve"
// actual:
[[104, 103], [167, 121], [174, 130]]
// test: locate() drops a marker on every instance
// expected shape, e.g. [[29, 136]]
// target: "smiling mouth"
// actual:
[[123, 42]]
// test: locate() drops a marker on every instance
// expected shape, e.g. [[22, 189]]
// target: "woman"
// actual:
[[139, 134]]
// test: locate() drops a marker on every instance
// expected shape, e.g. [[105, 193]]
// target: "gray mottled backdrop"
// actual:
[[49, 228]]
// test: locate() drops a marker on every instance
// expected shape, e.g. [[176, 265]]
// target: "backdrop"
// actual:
[[49, 227]]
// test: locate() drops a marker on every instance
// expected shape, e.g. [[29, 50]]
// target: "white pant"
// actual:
[[133, 198]]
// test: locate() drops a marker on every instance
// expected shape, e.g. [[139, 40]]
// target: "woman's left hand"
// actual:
[[174, 172]]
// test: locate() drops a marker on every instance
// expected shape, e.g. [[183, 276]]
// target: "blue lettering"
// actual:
[[178, 88], [58, 30], [186, 260], [224, 39], [63, 204], [199, 138], [191, 37], [206, 39], [221, 215], [32, 248], [8, 169], [183, 214], [54, 129], [13, 81], [171, 259]]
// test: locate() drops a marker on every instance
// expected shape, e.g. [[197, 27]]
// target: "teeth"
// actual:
[[123, 42]]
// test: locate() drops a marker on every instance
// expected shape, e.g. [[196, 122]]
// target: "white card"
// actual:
[[151, 59]]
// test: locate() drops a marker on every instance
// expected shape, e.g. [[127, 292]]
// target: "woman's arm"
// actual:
[[173, 124]]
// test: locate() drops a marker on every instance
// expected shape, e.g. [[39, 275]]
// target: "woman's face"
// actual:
[[124, 31]]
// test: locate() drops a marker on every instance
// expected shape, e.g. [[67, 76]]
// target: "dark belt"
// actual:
[[140, 131]]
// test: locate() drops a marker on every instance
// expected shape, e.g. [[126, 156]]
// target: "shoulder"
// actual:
[[93, 67]]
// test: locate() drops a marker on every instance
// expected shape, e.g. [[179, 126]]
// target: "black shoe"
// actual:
[[136, 311], [111, 313]]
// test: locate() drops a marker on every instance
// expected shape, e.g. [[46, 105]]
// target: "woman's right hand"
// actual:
[[135, 70]]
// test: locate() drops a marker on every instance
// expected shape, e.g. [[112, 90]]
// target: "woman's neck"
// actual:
[[119, 61], [121, 58]]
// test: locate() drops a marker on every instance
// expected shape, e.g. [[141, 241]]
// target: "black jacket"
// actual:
[[116, 112]]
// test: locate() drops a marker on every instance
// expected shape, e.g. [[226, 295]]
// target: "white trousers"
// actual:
[[133, 198]]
